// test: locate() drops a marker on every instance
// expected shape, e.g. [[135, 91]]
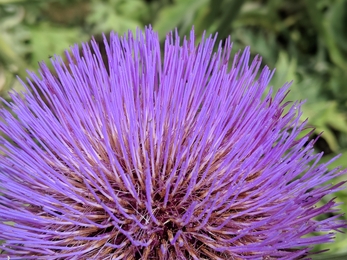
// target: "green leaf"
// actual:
[[336, 22], [47, 40], [171, 16], [322, 26], [116, 15]]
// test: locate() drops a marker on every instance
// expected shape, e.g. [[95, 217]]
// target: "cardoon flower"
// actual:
[[150, 155]]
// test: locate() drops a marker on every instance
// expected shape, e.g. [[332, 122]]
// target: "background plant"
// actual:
[[304, 40]]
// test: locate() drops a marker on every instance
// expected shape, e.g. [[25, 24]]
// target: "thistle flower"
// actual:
[[144, 157]]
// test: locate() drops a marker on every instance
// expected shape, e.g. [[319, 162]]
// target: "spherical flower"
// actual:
[[151, 155]]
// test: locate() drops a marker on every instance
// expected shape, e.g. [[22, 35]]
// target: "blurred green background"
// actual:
[[305, 40]]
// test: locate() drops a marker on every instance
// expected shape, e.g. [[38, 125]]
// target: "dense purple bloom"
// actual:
[[151, 157]]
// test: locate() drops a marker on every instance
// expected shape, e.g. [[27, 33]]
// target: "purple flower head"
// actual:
[[150, 155]]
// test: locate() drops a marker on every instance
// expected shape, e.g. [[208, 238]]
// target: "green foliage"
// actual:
[[118, 16], [304, 39], [47, 40]]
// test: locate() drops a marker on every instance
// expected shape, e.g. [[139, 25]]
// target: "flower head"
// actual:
[[150, 157]]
